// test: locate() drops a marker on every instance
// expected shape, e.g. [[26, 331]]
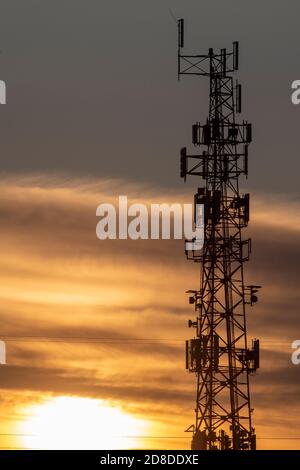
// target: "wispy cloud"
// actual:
[[58, 280]]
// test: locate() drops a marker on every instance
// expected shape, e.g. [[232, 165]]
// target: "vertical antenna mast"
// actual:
[[219, 354]]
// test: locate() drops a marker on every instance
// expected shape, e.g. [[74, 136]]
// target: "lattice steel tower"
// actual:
[[219, 354]]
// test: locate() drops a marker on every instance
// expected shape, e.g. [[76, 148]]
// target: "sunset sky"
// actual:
[[94, 329]]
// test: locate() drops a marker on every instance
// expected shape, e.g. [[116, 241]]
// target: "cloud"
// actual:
[[57, 280]]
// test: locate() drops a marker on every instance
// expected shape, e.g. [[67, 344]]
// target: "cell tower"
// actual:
[[219, 354]]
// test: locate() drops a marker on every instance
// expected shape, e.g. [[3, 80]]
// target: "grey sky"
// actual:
[[92, 86]]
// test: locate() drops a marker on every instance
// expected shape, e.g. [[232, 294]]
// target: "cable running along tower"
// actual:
[[219, 354]]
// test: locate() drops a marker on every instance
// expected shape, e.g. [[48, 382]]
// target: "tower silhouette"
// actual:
[[219, 354]]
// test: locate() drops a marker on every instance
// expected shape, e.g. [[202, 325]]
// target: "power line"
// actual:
[[93, 339], [86, 339], [146, 437]]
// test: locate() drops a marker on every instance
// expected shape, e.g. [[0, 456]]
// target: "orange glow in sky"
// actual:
[[95, 330], [79, 423]]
